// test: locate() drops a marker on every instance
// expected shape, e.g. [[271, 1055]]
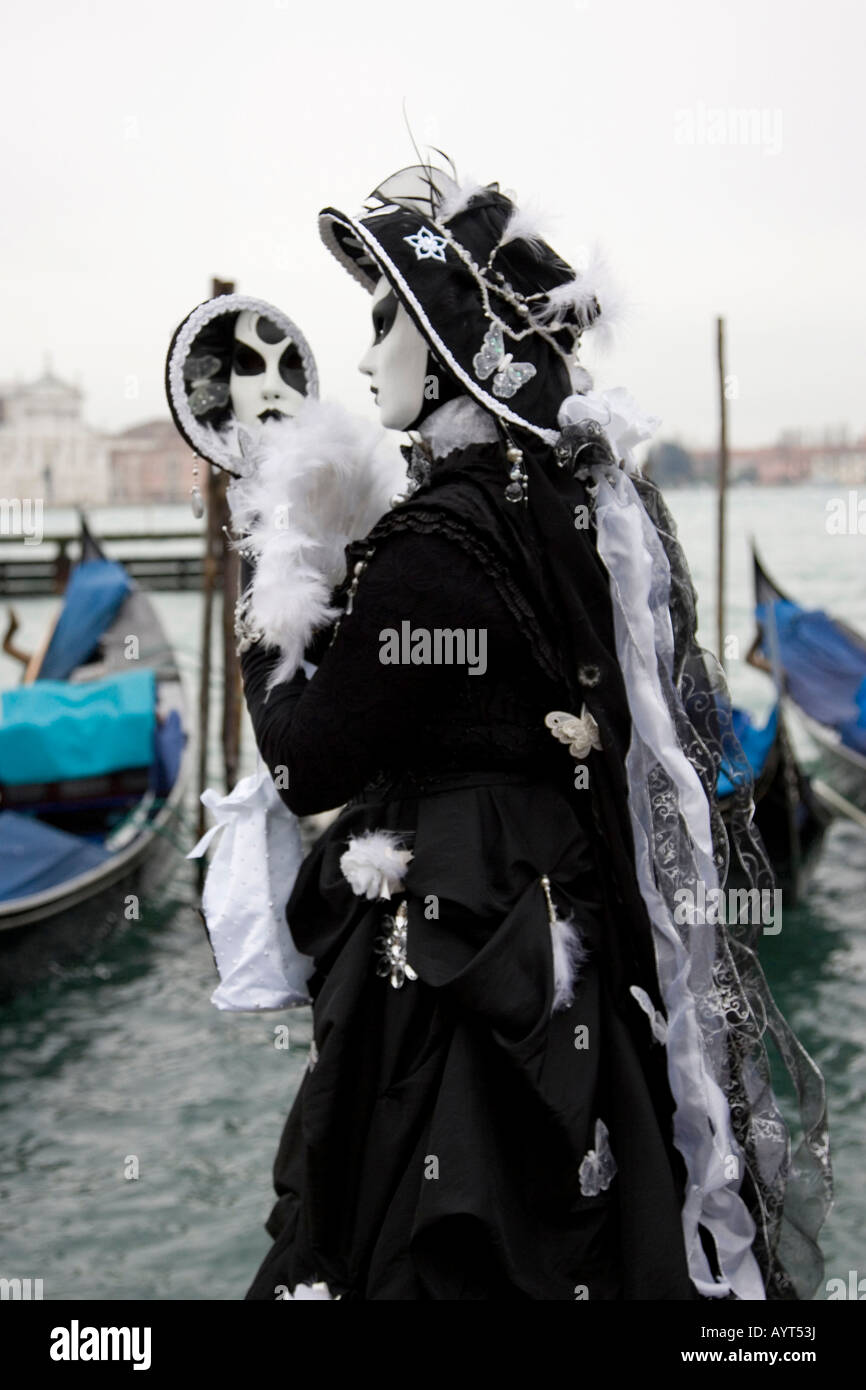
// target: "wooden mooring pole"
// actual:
[[232, 687], [209, 570], [723, 489], [219, 555]]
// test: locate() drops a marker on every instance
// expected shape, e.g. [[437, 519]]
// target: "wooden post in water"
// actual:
[[216, 551], [723, 486], [232, 687], [209, 568]]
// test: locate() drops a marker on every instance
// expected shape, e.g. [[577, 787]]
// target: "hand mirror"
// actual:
[[235, 363]]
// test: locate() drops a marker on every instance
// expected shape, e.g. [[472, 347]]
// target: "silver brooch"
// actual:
[[588, 439], [391, 948]]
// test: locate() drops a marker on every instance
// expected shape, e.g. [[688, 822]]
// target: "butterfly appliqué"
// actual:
[[580, 734], [598, 1168], [204, 393], [509, 375]]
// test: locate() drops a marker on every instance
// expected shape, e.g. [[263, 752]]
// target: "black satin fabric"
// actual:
[[433, 1151], [548, 572]]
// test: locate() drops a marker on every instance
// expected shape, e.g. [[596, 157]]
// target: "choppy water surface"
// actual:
[[123, 1060]]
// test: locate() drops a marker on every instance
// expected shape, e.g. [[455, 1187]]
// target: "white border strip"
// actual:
[[196, 435]]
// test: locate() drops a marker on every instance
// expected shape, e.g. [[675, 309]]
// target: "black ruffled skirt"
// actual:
[[443, 1143]]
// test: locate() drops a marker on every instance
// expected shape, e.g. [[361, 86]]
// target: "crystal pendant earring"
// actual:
[[516, 491], [195, 497]]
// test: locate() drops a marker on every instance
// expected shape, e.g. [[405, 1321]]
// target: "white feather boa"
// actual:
[[311, 485]]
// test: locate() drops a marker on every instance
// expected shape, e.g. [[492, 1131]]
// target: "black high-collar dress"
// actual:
[[454, 1136]]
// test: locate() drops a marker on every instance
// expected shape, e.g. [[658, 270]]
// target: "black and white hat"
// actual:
[[500, 310]]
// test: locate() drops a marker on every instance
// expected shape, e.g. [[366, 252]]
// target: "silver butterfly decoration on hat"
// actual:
[[508, 375]]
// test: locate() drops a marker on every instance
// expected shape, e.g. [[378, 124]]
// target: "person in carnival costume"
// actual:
[[536, 1071]]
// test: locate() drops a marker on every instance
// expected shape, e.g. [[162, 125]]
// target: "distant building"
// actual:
[[48, 452], [843, 463], [150, 463], [46, 449], [791, 460]]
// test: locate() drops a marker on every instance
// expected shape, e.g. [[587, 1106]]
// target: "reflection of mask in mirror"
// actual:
[[267, 380], [396, 361]]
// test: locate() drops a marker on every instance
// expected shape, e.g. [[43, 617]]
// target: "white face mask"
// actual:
[[396, 361], [267, 371]]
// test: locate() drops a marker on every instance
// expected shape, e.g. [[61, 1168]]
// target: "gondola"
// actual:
[[93, 764], [819, 665], [790, 817]]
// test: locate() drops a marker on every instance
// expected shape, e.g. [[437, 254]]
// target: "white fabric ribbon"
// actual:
[[640, 587], [639, 573], [657, 1021], [248, 884]]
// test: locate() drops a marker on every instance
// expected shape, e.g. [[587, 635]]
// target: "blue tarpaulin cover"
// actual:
[[853, 731], [825, 669], [95, 591], [35, 856], [168, 752], [755, 743], [53, 730]]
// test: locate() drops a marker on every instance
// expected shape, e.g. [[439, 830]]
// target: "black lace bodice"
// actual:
[[359, 720]]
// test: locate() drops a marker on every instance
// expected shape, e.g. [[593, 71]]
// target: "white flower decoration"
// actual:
[[374, 865], [318, 1290]]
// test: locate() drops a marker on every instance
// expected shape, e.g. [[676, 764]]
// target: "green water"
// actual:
[[122, 1064]]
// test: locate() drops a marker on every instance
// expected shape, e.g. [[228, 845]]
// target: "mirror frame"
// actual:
[[199, 437]]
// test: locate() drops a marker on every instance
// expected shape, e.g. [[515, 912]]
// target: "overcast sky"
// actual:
[[148, 147]]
